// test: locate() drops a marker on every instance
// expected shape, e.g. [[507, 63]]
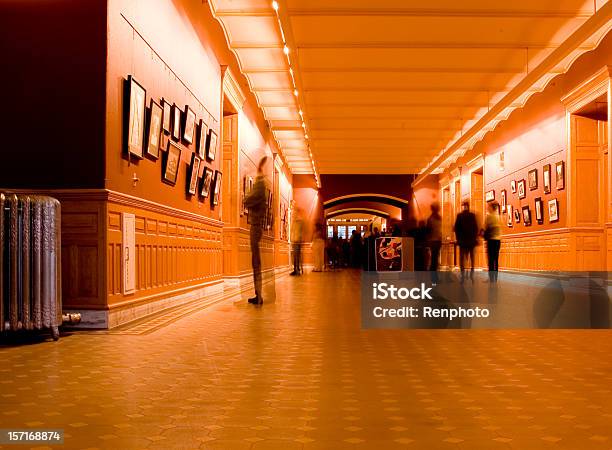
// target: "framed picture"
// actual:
[[167, 116], [513, 186], [517, 216], [532, 177], [521, 189], [176, 122], [154, 132], [490, 196], [553, 210], [216, 197], [504, 200], [171, 164], [526, 216], [135, 117], [560, 172], [546, 178], [539, 210], [211, 147], [194, 172], [188, 124], [202, 136], [206, 182], [510, 215]]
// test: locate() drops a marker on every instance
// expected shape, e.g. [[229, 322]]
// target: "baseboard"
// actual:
[[231, 288]]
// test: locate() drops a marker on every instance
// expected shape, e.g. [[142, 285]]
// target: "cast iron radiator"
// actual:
[[30, 263]]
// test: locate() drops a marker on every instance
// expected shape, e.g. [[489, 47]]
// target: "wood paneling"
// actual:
[[172, 252]]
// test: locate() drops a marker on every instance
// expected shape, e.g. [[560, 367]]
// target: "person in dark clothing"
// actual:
[[256, 202], [434, 229], [355, 249], [466, 232]]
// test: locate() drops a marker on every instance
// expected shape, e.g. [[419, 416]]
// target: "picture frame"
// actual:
[[520, 187], [194, 172], [206, 182], [167, 116], [560, 175], [490, 196], [526, 216], [539, 210], [154, 129], [211, 145], [532, 178], [517, 216], [202, 137], [509, 216], [172, 163], [135, 95], [546, 178], [216, 194], [553, 210], [176, 122], [504, 200], [189, 120], [513, 186]]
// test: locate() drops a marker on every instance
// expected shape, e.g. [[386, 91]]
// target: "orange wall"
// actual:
[[532, 137]]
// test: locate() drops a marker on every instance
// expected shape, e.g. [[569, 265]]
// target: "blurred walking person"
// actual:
[[434, 228], [318, 248], [466, 233], [492, 234], [297, 234], [256, 202]]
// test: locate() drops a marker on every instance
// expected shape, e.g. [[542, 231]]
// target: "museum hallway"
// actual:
[[300, 373]]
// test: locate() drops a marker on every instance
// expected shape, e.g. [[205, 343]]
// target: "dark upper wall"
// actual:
[[333, 186], [53, 78]]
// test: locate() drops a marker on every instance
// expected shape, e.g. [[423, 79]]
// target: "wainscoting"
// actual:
[[563, 249]]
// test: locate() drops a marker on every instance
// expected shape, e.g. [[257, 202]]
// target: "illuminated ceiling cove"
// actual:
[[399, 86]]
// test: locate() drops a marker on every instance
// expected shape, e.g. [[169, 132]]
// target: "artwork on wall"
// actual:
[[188, 124], [135, 117], [216, 197], [539, 210], [546, 178], [521, 189], [202, 136], [526, 216], [560, 172], [154, 133], [517, 216], [553, 210], [194, 172], [504, 200], [211, 148], [532, 177], [490, 196], [167, 116], [176, 122], [171, 164], [510, 215], [513, 186], [206, 182]]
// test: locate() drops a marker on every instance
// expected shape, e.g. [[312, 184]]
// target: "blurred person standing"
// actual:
[[492, 234], [297, 234], [434, 238], [318, 248], [256, 202], [466, 233]]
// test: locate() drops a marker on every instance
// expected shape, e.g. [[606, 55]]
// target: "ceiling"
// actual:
[[399, 86]]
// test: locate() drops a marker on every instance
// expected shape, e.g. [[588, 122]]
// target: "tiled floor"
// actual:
[[299, 373]]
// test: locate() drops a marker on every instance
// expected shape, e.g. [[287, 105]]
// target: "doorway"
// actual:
[[477, 207], [589, 190]]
